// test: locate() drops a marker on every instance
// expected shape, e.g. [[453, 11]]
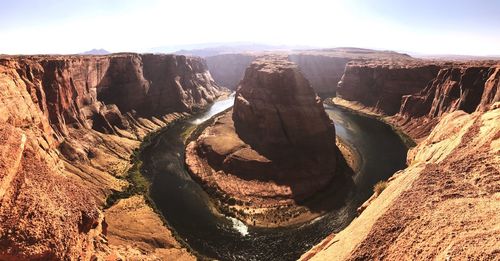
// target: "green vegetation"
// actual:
[[138, 183], [380, 186]]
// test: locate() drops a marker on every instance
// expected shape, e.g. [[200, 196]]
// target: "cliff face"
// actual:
[[468, 89], [272, 104], [70, 124], [323, 72], [448, 195], [228, 69], [382, 86], [417, 94], [323, 67], [445, 199], [262, 154]]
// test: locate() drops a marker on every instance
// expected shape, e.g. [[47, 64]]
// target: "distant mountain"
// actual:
[[95, 52], [211, 49], [456, 57]]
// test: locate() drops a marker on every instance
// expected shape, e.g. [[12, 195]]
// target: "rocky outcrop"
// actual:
[[468, 89], [445, 205], [70, 124], [418, 93], [426, 208], [322, 67], [382, 86], [261, 154], [461, 87]]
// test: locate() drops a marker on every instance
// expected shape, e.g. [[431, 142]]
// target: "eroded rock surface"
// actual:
[[322, 67], [69, 125], [417, 92], [445, 205], [275, 148]]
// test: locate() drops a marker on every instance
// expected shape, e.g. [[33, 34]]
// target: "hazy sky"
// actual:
[[423, 26]]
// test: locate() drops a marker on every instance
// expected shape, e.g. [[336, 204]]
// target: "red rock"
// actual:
[[69, 125], [277, 146], [382, 86]]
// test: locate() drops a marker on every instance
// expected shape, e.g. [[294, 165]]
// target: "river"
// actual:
[[187, 207]]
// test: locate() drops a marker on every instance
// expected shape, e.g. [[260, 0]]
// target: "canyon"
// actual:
[[260, 156], [323, 68], [69, 125]]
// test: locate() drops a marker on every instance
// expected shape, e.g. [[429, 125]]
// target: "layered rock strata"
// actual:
[[275, 148], [417, 93], [448, 196], [382, 86], [322, 67], [466, 88], [445, 205], [70, 124]]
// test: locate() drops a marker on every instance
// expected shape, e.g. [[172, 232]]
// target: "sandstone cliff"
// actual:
[[262, 154], [382, 86], [70, 124], [323, 71], [228, 69], [448, 196], [323, 67], [416, 93], [467, 88], [444, 206]]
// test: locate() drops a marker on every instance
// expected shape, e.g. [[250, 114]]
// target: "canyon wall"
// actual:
[[463, 88], [70, 124], [443, 206], [322, 67], [228, 69], [323, 72], [382, 86], [448, 195], [417, 94]]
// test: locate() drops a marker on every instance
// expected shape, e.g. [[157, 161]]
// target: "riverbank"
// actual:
[[280, 213], [132, 217], [366, 111], [445, 198]]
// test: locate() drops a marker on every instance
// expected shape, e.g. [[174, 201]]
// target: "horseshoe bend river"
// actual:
[[188, 209]]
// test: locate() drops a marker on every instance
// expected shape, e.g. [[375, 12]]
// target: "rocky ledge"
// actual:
[[68, 126], [274, 150]]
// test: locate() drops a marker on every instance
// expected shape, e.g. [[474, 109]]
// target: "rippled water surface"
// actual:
[[186, 206]]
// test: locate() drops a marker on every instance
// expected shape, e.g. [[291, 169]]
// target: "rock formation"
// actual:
[[417, 93], [228, 69], [323, 71], [445, 205], [69, 125], [467, 88], [323, 67], [275, 148], [382, 86], [448, 196]]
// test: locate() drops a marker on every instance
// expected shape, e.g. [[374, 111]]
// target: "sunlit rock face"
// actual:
[[68, 125]]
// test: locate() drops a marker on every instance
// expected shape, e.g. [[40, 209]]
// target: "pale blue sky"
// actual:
[[425, 26]]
